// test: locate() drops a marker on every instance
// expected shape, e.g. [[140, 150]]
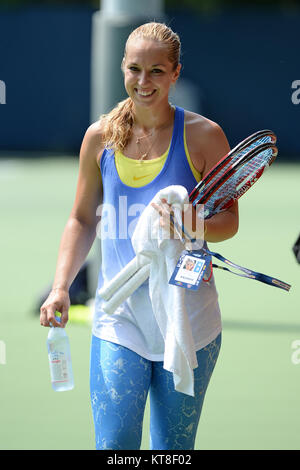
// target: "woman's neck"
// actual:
[[147, 120]]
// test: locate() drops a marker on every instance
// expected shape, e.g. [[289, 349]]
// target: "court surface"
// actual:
[[253, 398]]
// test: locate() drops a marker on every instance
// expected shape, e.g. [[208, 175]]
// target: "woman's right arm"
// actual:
[[80, 230]]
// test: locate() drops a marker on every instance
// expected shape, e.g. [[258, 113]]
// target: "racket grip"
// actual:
[[127, 289]]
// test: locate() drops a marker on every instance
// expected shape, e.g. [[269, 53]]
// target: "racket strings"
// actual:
[[239, 180], [237, 156], [261, 161], [248, 171]]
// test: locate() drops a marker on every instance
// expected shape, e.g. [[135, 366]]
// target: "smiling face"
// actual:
[[189, 265], [148, 72]]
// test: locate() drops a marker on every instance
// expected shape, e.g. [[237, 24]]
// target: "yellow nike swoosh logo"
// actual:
[[136, 178]]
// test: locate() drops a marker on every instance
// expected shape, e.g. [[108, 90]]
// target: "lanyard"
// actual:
[[272, 281]]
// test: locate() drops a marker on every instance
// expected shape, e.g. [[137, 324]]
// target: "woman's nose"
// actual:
[[143, 78]]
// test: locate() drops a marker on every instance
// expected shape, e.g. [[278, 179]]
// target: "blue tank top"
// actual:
[[122, 207]]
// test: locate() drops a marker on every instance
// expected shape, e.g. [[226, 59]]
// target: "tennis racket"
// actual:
[[229, 179], [235, 173]]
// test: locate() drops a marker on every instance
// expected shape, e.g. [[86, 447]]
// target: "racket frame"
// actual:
[[227, 158], [236, 165]]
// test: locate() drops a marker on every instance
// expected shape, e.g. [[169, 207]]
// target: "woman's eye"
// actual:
[[134, 68]]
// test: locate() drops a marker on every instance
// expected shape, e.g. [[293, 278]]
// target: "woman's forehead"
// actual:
[[141, 49]]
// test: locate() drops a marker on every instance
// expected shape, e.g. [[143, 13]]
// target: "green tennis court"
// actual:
[[253, 398]]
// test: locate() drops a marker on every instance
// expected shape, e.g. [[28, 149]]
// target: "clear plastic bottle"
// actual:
[[60, 359]]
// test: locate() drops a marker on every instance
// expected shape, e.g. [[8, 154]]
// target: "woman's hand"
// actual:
[[57, 301], [166, 213], [193, 225]]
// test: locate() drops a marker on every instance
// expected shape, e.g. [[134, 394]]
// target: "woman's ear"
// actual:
[[176, 73], [123, 64]]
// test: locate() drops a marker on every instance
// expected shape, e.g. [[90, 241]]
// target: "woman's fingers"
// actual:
[[157, 207], [48, 316], [64, 317], [165, 210], [166, 213], [56, 302]]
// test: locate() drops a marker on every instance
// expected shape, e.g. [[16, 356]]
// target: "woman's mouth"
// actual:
[[144, 93]]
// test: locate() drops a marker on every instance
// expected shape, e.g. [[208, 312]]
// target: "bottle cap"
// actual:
[[58, 319]]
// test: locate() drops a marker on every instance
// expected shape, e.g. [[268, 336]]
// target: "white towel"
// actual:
[[168, 304], [111, 287], [124, 291]]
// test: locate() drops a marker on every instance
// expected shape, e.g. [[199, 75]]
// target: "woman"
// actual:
[[143, 145]]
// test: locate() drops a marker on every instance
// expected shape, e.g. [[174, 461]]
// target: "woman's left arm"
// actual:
[[207, 144]]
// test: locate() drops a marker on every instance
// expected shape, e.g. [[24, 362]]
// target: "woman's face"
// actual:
[[189, 265], [148, 73]]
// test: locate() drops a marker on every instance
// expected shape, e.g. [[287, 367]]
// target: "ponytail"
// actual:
[[117, 125]]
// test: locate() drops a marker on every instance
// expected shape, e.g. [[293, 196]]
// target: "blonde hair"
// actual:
[[117, 125]]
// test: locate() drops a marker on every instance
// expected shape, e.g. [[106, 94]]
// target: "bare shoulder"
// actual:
[[206, 141], [94, 130], [196, 123], [92, 144]]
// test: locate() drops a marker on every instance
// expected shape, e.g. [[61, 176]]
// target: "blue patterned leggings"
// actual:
[[120, 381]]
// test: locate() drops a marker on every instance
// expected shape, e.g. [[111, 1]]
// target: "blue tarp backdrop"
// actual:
[[243, 61], [45, 63]]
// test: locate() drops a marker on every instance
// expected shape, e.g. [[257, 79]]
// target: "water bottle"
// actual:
[[60, 359]]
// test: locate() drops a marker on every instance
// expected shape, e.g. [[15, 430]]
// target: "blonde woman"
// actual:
[[143, 145]]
